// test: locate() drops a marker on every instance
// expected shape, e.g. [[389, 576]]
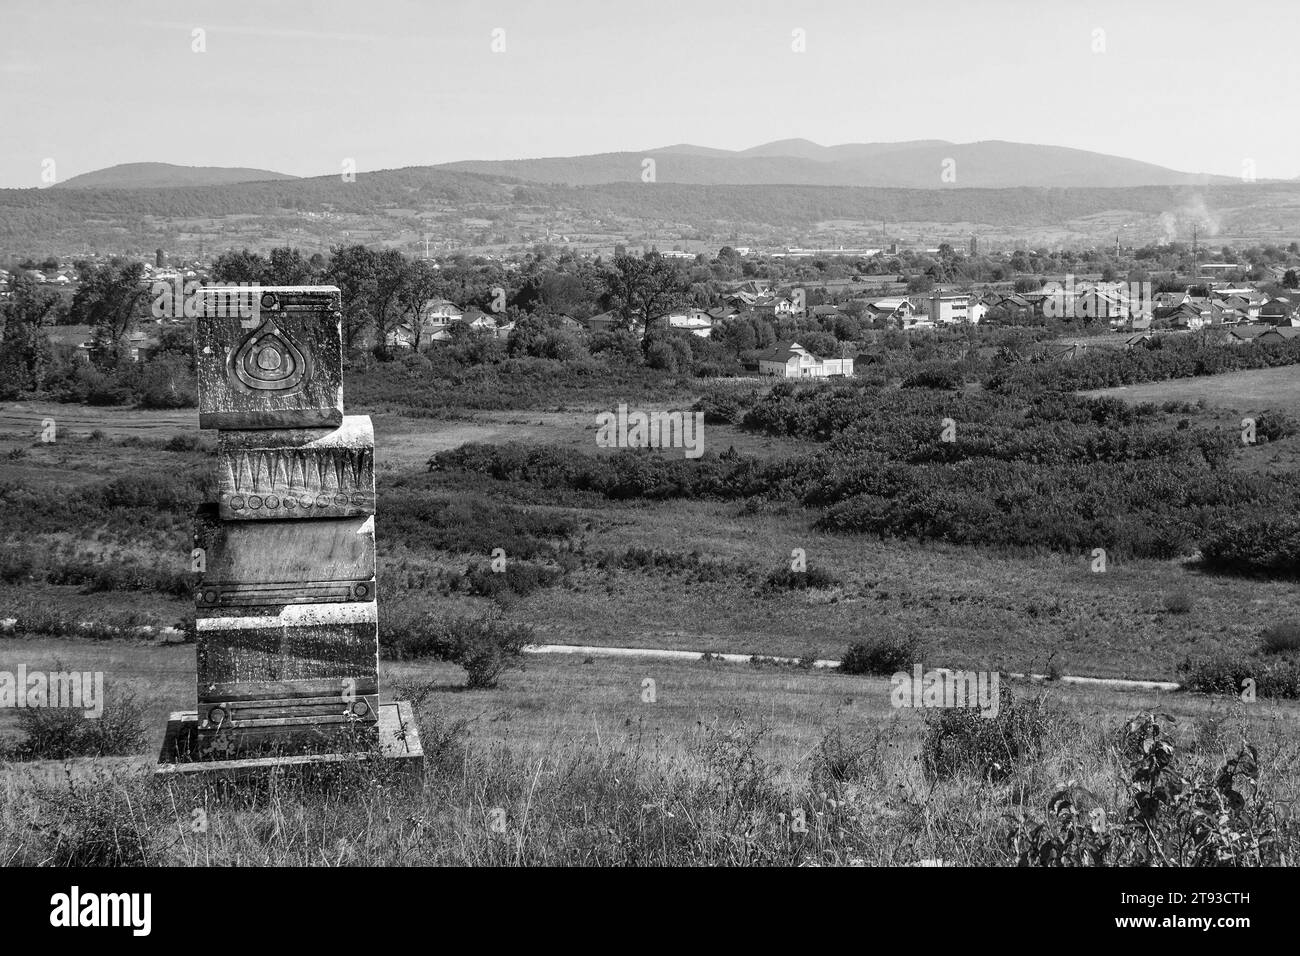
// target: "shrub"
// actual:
[[185, 441], [1178, 602], [16, 565], [1173, 818], [98, 824], [484, 646], [881, 655], [519, 578], [938, 375], [843, 757], [1228, 674], [54, 733], [812, 578], [1262, 547], [1281, 638], [963, 740], [726, 404], [1274, 425]]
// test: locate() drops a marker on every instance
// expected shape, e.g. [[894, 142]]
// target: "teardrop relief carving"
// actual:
[[269, 361]]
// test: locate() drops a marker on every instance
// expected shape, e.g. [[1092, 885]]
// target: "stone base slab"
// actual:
[[397, 739]]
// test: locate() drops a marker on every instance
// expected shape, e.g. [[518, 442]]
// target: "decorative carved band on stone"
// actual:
[[297, 473]]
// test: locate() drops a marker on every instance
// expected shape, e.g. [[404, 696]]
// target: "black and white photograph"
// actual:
[[607, 437]]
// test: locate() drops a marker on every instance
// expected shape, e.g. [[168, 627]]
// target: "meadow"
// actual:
[[565, 761], [571, 762]]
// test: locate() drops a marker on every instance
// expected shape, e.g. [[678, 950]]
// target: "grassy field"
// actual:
[[568, 761], [970, 607], [568, 751], [601, 700], [1240, 392]]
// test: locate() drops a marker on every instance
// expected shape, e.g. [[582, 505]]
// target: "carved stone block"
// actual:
[[297, 473], [288, 676], [270, 357], [263, 563], [312, 649]]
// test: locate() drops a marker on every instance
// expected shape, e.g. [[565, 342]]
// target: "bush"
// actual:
[[520, 578], [1174, 817], [484, 646], [962, 740], [1274, 425], [787, 579], [1178, 602], [939, 375], [99, 824], [843, 757], [1281, 638], [54, 733], [881, 655], [1262, 547], [1232, 674]]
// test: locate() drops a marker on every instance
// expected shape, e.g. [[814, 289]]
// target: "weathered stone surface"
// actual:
[[299, 652], [265, 563], [297, 678], [184, 753], [274, 474], [270, 357]]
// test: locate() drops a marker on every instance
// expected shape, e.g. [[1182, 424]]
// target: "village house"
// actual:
[[610, 322], [696, 321], [892, 310], [76, 342], [1170, 300], [792, 360], [436, 317], [774, 307], [1244, 334], [1281, 333], [1280, 310], [949, 308]]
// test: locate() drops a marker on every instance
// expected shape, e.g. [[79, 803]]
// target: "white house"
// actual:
[[436, 318], [792, 360], [696, 321], [950, 308]]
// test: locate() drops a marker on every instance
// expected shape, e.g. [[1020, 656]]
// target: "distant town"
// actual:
[[807, 312]]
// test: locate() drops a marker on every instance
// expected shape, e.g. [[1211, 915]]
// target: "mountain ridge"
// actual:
[[168, 176], [916, 164]]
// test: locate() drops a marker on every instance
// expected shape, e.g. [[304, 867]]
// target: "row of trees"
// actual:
[[383, 289]]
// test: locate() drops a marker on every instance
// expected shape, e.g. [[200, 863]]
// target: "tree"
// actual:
[[242, 266], [1291, 280], [352, 269], [420, 284], [24, 351], [643, 289], [286, 266], [388, 272], [109, 299]]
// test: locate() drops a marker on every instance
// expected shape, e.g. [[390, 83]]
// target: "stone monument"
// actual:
[[286, 630]]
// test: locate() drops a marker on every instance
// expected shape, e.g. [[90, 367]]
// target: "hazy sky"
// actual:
[[300, 86]]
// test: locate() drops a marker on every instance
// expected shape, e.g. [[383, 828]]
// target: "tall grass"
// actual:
[[860, 798]]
